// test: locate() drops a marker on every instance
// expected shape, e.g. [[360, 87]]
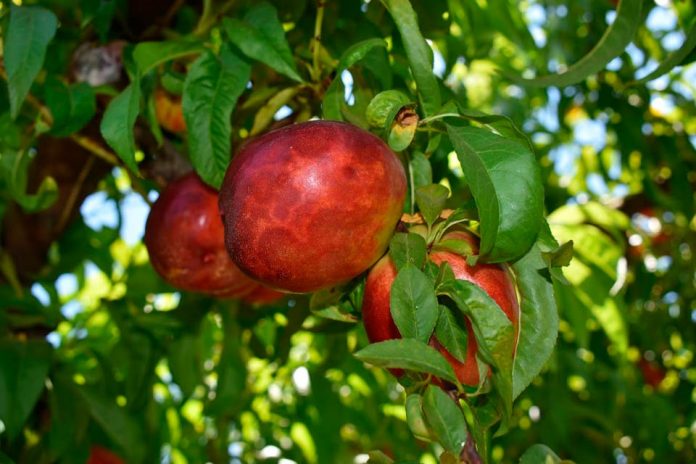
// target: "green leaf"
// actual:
[[4, 459], [611, 220], [118, 425], [407, 249], [118, 121], [173, 82], [431, 201], [460, 247], [100, 14], [403, 129], [419, 54], [561, 256], [264, 116], [210, 94], [413, 304], [394, 113], [332, 304], [505, 181], [72, 106], [499, 123], [408, 353], [415, 418], [592, 274], [333, 98], [450, 333], [614, 41], [494, 331], [14, 168], [149, 55], [384, 107], [69, 414], [538, 319], [675, 58], [261, 37], [184, 362], [378, 457], [30, 30], [231, 369], [446, 419], [24, 366], [421, 171], [539, 454]]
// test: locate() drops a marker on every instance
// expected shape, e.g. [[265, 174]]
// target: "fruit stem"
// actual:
[[412, 186], [208, 18], [435, 117], [469, 454], [316, 41]]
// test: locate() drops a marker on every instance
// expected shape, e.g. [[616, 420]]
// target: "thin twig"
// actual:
[[316, 44], [74, 193], [85, 142], [208, 18], [95, 148]]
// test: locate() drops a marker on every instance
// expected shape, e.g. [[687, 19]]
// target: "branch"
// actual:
[[88, 144]]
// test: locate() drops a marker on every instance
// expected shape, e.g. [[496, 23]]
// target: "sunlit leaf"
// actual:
[[505, 181], [211, 90], [612, 44], [407, 353], [420, 56], [445, 418], [413, 303]]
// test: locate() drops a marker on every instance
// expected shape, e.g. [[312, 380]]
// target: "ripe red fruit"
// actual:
[[653, 373], [311, 205], [185, 240], [99, 455], [169, 112], [494, 279]]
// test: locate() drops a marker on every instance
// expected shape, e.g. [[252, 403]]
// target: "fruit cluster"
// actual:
[[305, 208]]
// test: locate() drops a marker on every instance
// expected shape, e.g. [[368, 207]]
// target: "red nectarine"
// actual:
[[494, 279], [185, 240], [101, 455], [311, 205]]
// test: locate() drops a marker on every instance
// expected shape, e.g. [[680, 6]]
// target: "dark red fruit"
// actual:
[[99, 455], [653, 373], [311, 205], [492, 278], [185, 240]]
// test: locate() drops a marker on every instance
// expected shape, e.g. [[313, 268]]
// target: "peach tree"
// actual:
[[385, 286]]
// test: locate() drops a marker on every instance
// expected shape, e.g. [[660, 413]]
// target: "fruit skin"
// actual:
[[169, 112], [311, 205], [185, 240], [653, 373], [494, 279], [99, 455]]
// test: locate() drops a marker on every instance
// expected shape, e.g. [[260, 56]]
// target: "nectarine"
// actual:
[[185, 240], [494, 279], [311, 205]]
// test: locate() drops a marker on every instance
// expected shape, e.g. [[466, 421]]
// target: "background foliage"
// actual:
[[96, 349]]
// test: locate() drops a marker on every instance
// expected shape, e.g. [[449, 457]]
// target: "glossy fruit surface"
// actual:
[[311, 205], [494, 279], [185, 240]]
